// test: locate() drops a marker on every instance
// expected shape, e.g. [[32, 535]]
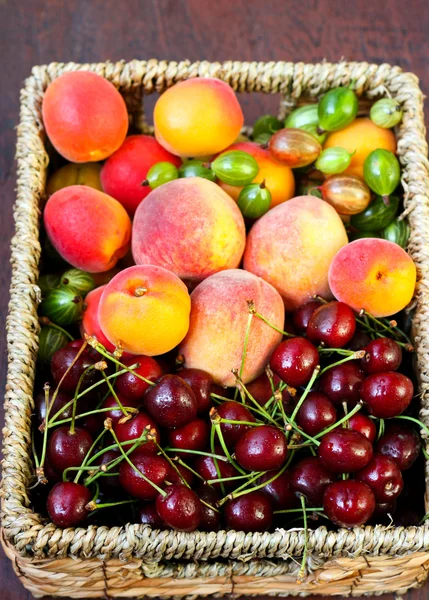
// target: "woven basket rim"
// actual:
[[23, 528]]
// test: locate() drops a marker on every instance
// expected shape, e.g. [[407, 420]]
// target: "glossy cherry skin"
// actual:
[[302, 316], [211, 520], [280, 491], [185, 475], [205, 467], [234, 411], [386, 395], [383, 511], [345, 451], [110, 482], [316, 413], [251, 512], [171, 402], [348, 503], [310, 478], [66, 504], [294, 361], [192, 436], [383, 476], [134, 428], [116, 413], [363, 424], [261, 449], [63, 359], [401, 444], [260, 389], [202, 384], [148, 515], [60, 401], [332, 324], [381, 355], [92, 423], [155, 468], [359, 340], [67, 449], [342, 383], [131, 387], [180, 508]]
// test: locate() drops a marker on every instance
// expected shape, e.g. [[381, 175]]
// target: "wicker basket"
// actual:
[[136, 560]]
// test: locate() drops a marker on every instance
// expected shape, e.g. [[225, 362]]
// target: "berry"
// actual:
[[155, 468], [382, 354], [302, 315], [171, 402], [110, 482], [332, 324], [192, 436], [348, 503], [63, 359], [345, 451], [279, 491], [202, 384], [383, 476], [294, 361], [148, 515], [387, 395], [401, 444], [261, 449], [60, 401], [359, 340], [234, 411], [116, 413], [185, 475], [66, 504], [364, 425], [180, 508], [310, 478], [251, 512], [211, 520], [342, 383], [67, 449], [206, 468], [134, 428], [260, 389], [131, 387], [316, 413]]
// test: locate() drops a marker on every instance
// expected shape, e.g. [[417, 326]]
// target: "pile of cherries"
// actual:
[[308, 438]]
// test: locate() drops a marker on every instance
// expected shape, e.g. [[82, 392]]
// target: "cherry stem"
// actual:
[[297, 510], [171, 463], [47, 321], [224, 479], [218, 398], [305, 393], [354, 356], [392, 327], [413, 420], [380, 429], [354, 410], [223, 445], [260, 408], [232, 422], [341, 351], [79, 470], [199, 452], [135, 444], [246, 343], [115, 395], [86, 414], [301, 573], [88, 455], [253, 478], [285, 333], [74, 405], [183, 464], [94, 506]]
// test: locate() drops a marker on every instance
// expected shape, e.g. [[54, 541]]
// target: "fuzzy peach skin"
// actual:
[[218, 323], [90, 324], [124, 171], [292, 246], [145, 310], [189, 226], [197, 117], [85, 116], [278, 178], [373, 274], [361, 137], [75, 174], [88, 228]]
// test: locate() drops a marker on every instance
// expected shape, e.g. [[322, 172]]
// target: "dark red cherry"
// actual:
[[63, 359], [155, 468], [400, 443], [251, 512], [234, 411], [302, 316], [185, 475], [205, 467], [66, 449], [363, 424], [381, 355], [260, 389], [66, 504], [316, 413], [116, 413], [310, 478], [383, 512], [92, 423], [134, 428], [211, 519], [51, 475], [342, 383], [109, 482], [261, 449], [332, 324], [383, 476], [280, 491], [202, 385], [294, 361], [180, 508], [60, 401], [131, 387], [348, 503], [148, 515], [171, 402], [345, 451], [359, 340], [386, 395], [192, 436]]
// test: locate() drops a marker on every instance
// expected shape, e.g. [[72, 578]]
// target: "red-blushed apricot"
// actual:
[[85, 116], [124, 171], [90, 324], [292, 246], [278, 178], [218, 323], [75, 174], [145, 310], [197, 117], [373, 274], [190, 226], [88, 228]]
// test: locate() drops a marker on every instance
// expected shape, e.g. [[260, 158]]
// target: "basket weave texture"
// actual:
[[135, 560]]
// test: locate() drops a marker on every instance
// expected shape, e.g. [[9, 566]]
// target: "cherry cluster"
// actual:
[[323, 433]]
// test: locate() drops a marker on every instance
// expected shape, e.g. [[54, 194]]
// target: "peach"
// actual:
[[75, 174], [189, 226], [278, 178], [88, 228], [373, 274], [218, 324], [85, 116], [292, 246], [90, 324], [197, 117], [361, 137], [124, 171], [145, 310]]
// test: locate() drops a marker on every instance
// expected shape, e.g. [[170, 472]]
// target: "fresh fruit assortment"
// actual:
[[243, 368]]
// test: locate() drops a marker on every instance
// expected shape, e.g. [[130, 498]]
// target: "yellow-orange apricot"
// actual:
[[75, 174]]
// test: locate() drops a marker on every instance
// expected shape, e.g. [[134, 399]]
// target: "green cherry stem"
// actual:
[[171, 463], [47, 321], [135, 444], [190, 469], [88, 455], [124, 411], [285, 333], [340, 351], [198, 452], [301, 573], [354, 356], [297, 510], [214, 417], [97, 411], [215, 462], [74, 405], [94, 506], [305, 393]]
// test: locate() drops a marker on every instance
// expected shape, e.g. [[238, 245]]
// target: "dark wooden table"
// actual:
[[36, 32]]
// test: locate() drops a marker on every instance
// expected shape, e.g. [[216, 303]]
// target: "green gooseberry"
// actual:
[[48, 282], [382, 172], [51, 339], [196, 168], [337, 109], [63, 306], [235, 167], [397, 231], [160, 173], [266, 124], [333, 160], [376, 215], [254, 200], [80, 281], [386, 113]]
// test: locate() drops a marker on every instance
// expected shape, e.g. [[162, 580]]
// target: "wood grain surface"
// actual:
[[36, 32]]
